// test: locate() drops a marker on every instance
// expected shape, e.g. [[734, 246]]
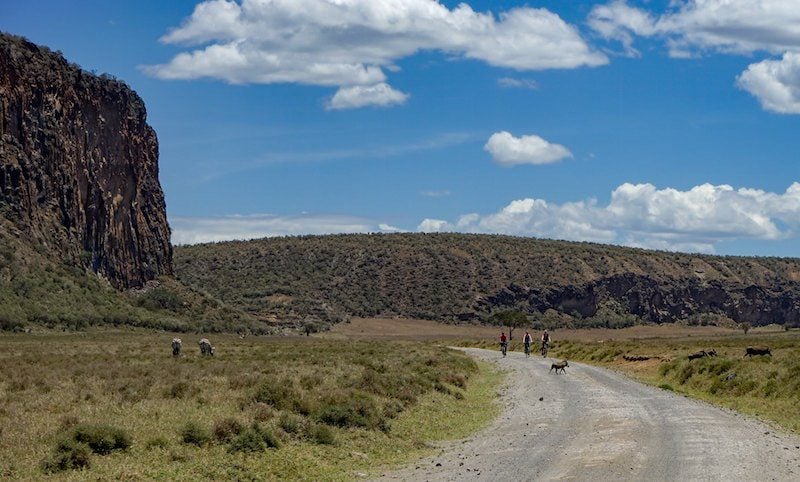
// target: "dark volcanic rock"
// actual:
[[79, 165]]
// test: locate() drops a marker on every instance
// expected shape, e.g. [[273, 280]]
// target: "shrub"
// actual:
[[351, 409], [180, 390], [227, 428], [68, 455], [666, 386], [102, 439], [157, 443], [254, 439], [195, 434], [291, 423], [322, 434]]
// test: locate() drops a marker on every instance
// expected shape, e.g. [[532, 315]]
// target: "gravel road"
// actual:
[[594, 424]]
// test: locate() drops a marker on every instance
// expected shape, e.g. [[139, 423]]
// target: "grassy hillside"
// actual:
[[261, 409], [458, 276], [37, 289]]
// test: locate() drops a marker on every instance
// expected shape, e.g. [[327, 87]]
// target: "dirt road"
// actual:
[[593, 424]]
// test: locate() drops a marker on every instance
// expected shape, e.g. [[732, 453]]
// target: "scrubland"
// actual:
[[116, 405]]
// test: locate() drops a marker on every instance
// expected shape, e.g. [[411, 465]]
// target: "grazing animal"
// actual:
[[711, 352], [206, 348], [559, 366], [698, 354], [757, 350], [176, 347]]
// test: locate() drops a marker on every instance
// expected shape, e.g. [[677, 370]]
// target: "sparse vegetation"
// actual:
[[267, 404], [767, 387], [461, 277]]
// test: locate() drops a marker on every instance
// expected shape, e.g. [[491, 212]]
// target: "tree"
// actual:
[[511, 318], [745, 327]]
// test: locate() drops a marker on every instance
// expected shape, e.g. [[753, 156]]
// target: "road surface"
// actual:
[[594, 424]]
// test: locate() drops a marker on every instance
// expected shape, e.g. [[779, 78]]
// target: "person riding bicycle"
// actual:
[[545, 340], [527, 340]]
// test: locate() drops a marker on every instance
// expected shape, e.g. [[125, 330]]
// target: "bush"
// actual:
[[322, 435], [102, 439], [254, 439], [351, 409], [291, 423], [68, 455], [195, 434], [180, 390], [157, 443], [227, 428]]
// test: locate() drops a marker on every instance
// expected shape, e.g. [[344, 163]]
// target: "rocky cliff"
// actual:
[[79, 166]]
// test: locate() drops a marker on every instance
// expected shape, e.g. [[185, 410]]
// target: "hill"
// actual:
[[467, 277]]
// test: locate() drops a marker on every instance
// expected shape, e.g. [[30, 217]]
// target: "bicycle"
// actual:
[[544, 349], [504, 348], [527, 350]]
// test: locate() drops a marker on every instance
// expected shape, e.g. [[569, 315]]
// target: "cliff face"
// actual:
[[79, 166]]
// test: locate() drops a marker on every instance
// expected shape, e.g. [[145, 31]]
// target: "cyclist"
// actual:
[[545, 342], [527, 340], [503, 343]]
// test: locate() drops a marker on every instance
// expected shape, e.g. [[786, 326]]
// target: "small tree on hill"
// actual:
[[511, 318], [745, 327]]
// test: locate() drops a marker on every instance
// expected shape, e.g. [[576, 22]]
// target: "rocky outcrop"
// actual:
[[79, 166], [660, 301]]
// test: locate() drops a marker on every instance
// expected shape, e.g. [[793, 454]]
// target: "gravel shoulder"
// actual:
[[594, 424]]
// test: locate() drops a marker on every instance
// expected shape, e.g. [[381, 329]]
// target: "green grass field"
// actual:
[[298, 408]]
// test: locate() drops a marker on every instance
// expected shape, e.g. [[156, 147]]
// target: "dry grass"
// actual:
[[320, 401]]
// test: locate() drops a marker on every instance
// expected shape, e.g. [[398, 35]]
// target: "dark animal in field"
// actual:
[[176, 347], [698, 354], [206, 348], [757, 350], [559, 366], [711, 352]]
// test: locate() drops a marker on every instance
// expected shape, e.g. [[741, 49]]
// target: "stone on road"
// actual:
[[594, 424]]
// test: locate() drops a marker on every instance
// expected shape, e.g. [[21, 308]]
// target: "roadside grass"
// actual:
[[762, 386], [260, 409]]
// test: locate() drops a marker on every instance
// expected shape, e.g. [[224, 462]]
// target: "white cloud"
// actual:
[[514, 83], [619, 21], [439, 193], [692, 27], [388, 228], [775, 83], [433, 226], [359, 96], [193, 230], [508, 150], [645, 216], [733, 26], [350, 43]]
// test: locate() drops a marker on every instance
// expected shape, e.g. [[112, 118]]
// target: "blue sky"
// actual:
[[670, 125]]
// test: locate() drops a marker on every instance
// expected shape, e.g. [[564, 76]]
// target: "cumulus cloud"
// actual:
[[508, 150], [775, 83], [193, 230], [433, 226], [350, 43], [733, 26], [692, 27], [357, 96], [644, 216]]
